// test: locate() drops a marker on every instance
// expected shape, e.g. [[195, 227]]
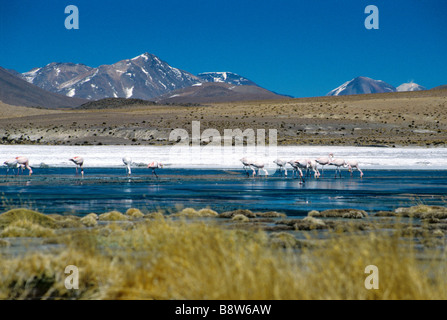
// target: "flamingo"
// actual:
[[246, 163], [128, 162], [154, 165], [338, 163], [11, 164], [260, 166], [282, 166], [324, 161], [297, 165], [354, 164], [79, 162], [24, 163], [312, 165]]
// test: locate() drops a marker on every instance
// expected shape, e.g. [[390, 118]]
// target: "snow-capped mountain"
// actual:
[[410, 86], [362, 85], [54, 74], [143, 77], [225, 77]]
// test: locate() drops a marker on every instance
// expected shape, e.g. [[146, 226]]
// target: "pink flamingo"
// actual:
[[312, 165], [282, 166], [297, 165], [128, 162], [154, 165], [324, 161], [260, 166], [338, 163], [24, 163], [246, 163], [11, 164], [79, 162], [354, 164]]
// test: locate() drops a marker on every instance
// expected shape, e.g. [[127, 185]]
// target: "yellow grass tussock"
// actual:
[[90, 220], [134, 213], [191, 213], [240, 218], [339, 213], [113, 216], [35, 217], [26, 228]]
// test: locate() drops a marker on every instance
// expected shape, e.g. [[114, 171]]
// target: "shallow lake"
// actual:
[[58, 190]]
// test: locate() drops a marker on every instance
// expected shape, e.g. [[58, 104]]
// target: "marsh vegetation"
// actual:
[[202, 254]]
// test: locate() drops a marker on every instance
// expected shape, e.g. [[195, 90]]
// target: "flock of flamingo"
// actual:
[[22, 163], [304, 164]]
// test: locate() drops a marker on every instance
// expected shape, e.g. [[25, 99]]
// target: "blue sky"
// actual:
[[300, 48]]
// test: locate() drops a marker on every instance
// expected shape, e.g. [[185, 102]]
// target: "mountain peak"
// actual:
[[225, 77], [362, 85], [410, 86], [146, 56]]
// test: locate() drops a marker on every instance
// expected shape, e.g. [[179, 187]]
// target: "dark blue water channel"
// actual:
[[58, 190]]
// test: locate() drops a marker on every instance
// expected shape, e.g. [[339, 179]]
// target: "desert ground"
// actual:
[[388, 119]]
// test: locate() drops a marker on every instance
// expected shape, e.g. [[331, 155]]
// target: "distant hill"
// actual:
[[16, 91], [209, 92], [440, 87], [114, 103], [362, 85]]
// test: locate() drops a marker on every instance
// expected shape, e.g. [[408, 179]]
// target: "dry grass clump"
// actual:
[[314, 223], [69, 222], [251, 214], [134, 213], [42, 276], [11, 216], [90, 220], [270, 214], [112, 216], [155, 215], [339, 213], [240, 218], [26, 228], [193, 213], [231, 214], [287, 241], [401, 274], [310, 223], [423, 212]]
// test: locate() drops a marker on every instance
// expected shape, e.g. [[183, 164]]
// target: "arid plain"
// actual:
[[385, 119]]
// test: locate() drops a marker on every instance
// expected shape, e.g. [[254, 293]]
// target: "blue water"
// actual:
[[58, 190]]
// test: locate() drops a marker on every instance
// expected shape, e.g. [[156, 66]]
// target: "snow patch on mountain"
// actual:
[[410, 86]]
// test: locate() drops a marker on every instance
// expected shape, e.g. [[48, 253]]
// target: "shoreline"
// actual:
[[204, 157]]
